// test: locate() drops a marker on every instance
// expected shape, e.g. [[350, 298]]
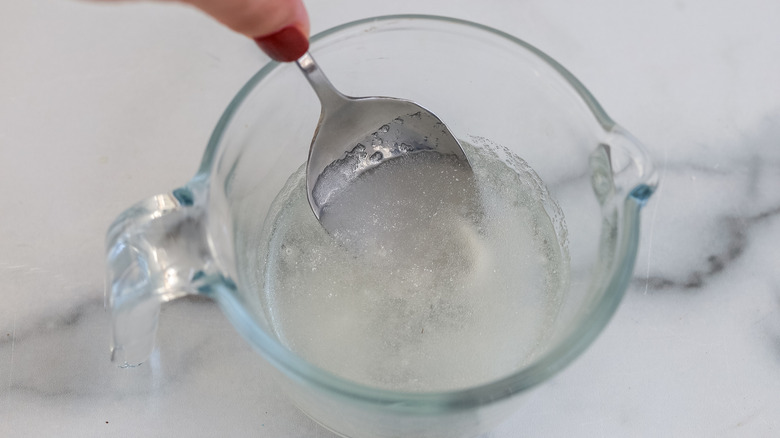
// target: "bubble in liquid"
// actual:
[[399, 120], [384, 128], [376, 157]]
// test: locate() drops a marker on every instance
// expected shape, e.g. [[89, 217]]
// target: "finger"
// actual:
[[280, 27], [256, 18]]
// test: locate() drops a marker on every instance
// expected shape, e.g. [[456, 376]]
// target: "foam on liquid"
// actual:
[[429, 280]]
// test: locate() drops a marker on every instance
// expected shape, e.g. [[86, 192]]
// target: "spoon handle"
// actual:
[[329, 96]]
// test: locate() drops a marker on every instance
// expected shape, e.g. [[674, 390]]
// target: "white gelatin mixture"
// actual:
[[430, 279]]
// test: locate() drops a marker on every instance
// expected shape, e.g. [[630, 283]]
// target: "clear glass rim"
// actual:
[[540, 369]]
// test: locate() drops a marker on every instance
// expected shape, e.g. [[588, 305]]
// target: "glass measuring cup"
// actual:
[[203, 238]]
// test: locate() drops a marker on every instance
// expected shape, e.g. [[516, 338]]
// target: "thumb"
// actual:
[[280, 27]]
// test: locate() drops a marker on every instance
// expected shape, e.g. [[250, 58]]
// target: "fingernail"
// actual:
[[286, 45]]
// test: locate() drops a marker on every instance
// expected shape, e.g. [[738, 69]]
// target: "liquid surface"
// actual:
[[431, 279]]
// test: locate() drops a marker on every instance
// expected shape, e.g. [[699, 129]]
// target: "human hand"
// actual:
[[279, 27]]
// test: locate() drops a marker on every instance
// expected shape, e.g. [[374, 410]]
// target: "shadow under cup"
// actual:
[[490, 89]]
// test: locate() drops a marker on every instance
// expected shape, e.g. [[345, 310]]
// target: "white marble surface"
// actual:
[[103, 105]]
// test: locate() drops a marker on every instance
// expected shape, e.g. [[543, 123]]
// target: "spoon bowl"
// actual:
[[356, 134]]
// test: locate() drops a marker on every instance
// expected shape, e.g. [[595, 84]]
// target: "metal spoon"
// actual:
[[355, 134]]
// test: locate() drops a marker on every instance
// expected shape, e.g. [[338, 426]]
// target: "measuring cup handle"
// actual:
[[157, 251]]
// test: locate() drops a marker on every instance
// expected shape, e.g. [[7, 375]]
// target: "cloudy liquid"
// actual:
[[430, 278]]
